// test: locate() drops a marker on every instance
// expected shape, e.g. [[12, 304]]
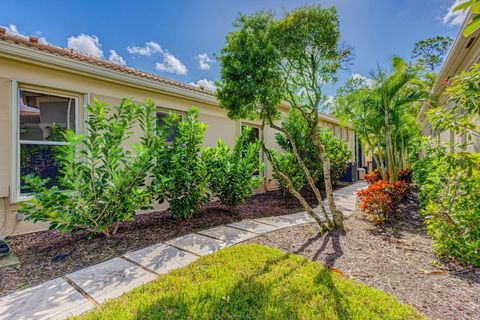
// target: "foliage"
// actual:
[[234, 172], [474, 23], [180, 173], [372, 177], [430, 52], [267, 61], [461, 110], [337, 149], [287, 163], [384, 115], [102, 182], [270, 284], [449, 185], [381, 199]]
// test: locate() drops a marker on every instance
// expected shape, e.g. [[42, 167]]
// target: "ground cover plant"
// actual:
[[234, 172], [269, 285], [102, 181]]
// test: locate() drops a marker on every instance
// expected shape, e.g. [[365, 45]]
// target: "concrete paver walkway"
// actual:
[[82, 290]]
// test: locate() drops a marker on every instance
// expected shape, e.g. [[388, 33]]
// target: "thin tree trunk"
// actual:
[[327, 178], [309, 177], [296, 194]]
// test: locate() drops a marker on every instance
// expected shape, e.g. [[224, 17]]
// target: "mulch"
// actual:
[[47, 255], [398, 258]]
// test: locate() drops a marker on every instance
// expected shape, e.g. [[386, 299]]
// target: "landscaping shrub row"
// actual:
[[104, 180]]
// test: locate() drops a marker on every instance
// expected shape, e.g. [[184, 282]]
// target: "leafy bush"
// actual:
[[337, 149], [180, 173], [449, 185], [373, 176], [381, 199], [286, 163], [101, 182], [233, 173]]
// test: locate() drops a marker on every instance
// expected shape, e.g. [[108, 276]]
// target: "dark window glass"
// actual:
[[254, 136], [38, 160], [161, 116], [43, 120]]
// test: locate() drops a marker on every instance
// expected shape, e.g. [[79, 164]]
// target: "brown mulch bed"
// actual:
[[47, 255], [397, 258]]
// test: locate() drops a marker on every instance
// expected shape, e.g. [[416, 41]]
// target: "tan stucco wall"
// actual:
[[29, 75]]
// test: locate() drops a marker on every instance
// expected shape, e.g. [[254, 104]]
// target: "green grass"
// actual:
[[253, 282]]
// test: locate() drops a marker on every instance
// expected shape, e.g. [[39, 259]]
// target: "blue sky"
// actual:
[[178, 39]]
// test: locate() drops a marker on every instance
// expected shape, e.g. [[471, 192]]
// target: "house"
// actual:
[[464, 53], [43, 87]]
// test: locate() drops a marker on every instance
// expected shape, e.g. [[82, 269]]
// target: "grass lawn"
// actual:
[[253, 282]]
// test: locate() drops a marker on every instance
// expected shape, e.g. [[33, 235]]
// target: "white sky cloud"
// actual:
[[13, 30], [150, 48], [454, 18], [368, 82], [171, 64], [86, 44], [204, 61], [116, 58], [204, 83]]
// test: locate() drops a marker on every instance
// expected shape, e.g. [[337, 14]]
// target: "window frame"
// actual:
[[16, 195]]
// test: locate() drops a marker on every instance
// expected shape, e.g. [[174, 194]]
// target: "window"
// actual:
[[254, 136], [161, 116], [41, 122]]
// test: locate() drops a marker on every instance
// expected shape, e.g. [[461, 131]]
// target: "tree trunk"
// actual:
[[388, 147], [327, 178], [310, 180], [296, 194]]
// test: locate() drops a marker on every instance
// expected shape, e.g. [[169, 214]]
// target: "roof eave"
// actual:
[[38, 57]]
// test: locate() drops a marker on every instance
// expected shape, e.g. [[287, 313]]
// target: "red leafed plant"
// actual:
[[381, 199], [405, 175], [373, 176]]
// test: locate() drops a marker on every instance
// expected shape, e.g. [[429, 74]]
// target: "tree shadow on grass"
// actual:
[[257, 296]]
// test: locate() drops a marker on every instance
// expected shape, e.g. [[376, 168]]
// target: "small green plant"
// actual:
[[101, 182], [180, 174], [234, 172], [285, 162]]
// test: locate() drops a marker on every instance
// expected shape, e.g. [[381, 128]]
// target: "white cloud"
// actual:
[[13, 30], [86, 44], [204, 61], [150, 48], [368, 82], [329, 101], [206, 84], [454, 18], [116, 58], [171, 64]]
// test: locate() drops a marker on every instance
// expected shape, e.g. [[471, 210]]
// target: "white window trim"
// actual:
[[15, 195]]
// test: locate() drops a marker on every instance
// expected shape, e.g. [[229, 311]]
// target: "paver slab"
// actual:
[[110, 279], [253, 226], [276, 222], [54, 299], [299, 218], [228, 234], [161, 258], [197, 244]]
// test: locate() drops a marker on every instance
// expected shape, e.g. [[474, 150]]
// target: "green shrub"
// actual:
[[337, 149], [180, 173], [234, 172], [449, 185], [286, 163], [101, 182]]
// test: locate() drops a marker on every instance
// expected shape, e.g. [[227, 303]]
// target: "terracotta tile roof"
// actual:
[[33, 43]]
